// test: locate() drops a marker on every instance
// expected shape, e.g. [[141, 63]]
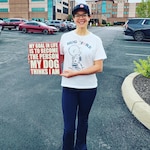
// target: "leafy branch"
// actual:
[[143, 67]]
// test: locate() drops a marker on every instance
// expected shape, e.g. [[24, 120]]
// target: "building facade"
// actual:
[[121, 11], [111, 11], [34, 9]]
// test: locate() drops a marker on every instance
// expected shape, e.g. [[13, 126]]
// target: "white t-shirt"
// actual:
[[79, 53]]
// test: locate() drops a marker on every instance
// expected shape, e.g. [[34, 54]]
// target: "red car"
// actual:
[[11, 23], [36, 27]]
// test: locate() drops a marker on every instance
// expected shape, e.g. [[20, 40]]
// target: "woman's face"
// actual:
[[81, 19]]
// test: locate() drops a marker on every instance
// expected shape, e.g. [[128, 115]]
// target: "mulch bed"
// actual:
[[142, 87]]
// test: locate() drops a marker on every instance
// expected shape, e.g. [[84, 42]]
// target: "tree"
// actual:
[[69, 18], [143, 9]]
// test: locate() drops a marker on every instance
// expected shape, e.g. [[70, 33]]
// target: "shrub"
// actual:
[[143, 67]]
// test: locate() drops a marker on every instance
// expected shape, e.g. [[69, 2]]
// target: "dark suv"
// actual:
[[12, 23], [138, 28], [59, 24]]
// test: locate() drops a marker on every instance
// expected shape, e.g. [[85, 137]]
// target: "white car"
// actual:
[[70, 25], [1, 21], [0, 29], [59, 24]]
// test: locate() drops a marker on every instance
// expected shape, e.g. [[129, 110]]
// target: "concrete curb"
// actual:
[[138, 107]]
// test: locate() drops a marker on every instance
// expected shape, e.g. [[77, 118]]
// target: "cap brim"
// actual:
[[80, 9]]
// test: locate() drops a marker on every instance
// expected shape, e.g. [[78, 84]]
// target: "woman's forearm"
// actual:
[[97, 67]]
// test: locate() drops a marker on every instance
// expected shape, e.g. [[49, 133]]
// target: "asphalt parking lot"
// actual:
[[30, 105]]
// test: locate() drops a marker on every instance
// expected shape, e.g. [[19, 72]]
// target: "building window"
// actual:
[[114, 7], [59, 10], [109, 6], [108, 15], [103, 6], [38, 9], [65, 10], [125, 13], [114, 13], [99, 6], [51, 10], [64, 3], [3, 0], [3, 9]]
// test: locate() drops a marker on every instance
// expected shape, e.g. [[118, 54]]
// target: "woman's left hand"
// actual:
[[97, 67], [68, 73]]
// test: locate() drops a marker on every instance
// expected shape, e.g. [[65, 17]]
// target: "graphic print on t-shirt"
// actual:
[[75, 53]]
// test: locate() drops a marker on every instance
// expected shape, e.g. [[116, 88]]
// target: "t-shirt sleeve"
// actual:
[[100, 52], [61, 46]]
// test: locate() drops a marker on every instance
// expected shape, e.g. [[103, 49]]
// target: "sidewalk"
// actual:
[[138, 107]]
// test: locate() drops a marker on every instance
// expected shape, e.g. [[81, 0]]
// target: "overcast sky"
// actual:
[[134, 1]]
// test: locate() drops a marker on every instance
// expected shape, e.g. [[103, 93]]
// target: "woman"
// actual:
[[83, 57]]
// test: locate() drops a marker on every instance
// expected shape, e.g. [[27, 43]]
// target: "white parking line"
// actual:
[[130, 54], [138, 46]]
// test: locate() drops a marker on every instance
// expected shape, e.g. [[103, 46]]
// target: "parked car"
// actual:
[[12, 23], [0, 30], [37, 27], [70, 25], [57, 23], [1, 21], [138, 28]]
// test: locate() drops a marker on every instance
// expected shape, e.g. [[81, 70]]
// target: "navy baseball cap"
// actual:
[[81, 7]]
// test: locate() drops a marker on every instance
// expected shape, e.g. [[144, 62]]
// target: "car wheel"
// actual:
[[69, 29], [45, 31], [138, 36], [62, 30], [24, 30]]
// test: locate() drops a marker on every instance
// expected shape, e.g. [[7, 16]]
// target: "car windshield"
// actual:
[[134, 21], [6, 20], [42, 24]]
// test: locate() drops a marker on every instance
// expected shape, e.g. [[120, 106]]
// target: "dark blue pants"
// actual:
[[76, 102]]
